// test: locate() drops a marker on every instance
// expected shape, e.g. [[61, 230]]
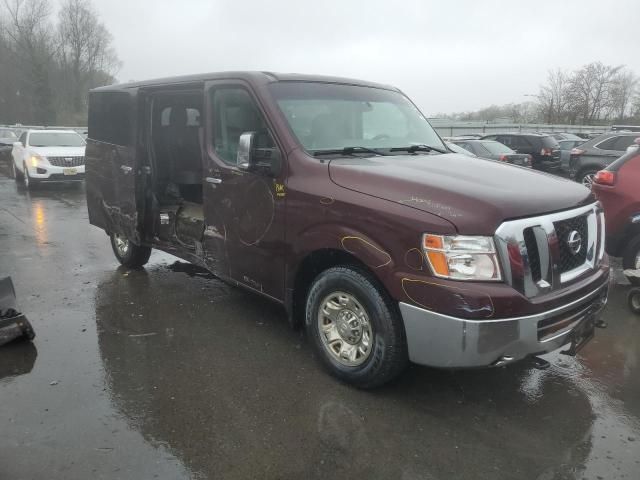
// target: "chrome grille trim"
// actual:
[[514, 255], [75, 161]]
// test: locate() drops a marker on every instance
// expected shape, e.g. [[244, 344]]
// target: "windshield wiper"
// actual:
[[417, 148], [347, 151]]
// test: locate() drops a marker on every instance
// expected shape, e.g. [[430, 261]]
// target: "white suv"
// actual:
[[48, 155]]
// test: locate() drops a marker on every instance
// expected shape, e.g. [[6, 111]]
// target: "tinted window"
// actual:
[[623, 142], [55, 139], [496, 148], [234, 113], [520, 142], [607, 144], [110, 117]]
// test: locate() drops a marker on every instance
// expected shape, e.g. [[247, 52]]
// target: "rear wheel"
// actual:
[[129, 254], [633, 300], [355, 328], [631, 259]]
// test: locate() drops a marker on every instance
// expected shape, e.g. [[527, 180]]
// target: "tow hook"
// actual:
[[539, 363]]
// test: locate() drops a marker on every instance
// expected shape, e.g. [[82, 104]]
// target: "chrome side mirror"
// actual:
[[245, 150]]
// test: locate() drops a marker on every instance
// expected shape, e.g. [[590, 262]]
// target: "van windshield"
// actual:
[[326, 116]]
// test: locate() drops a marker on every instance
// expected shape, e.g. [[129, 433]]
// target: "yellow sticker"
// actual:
[[280, 190]]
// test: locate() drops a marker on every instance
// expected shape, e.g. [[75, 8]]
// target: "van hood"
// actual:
[[58, 151], [474, 194]]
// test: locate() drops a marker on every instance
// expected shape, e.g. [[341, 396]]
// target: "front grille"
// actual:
[[66, 161], [540, 254], [533, 254], [568, 259]]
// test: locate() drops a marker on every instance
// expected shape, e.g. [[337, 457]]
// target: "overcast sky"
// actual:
[[447, 55]]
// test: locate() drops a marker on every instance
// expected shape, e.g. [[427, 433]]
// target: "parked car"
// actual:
[[566, 146], [337, 199], [48, 156], [495, 151], [616, 187], [544, 149], [594, 155], [458, 149], [7, 138]]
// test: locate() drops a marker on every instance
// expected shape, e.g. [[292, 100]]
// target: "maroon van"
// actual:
[[337, 199]]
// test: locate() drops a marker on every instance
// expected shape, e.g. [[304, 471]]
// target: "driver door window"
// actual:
[[234, 113]]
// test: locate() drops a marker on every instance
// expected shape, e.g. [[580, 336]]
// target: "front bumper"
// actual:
[[439, 340], [51, 173]]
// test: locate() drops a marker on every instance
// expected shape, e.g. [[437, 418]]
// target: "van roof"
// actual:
[[256, 78]]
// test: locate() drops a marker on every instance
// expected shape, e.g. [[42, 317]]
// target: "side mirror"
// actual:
[[250, 157], [245, 150]]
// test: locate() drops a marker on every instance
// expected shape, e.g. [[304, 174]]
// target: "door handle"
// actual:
[[213, 180], [125, 169]]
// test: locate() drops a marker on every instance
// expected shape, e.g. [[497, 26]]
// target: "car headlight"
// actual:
[[36, 160], [460, 257]]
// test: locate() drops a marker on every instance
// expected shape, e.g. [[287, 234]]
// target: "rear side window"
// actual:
[[110, 117], [608, 144], [622, 143]]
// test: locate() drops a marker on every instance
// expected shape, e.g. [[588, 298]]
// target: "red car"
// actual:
[[617, 188]]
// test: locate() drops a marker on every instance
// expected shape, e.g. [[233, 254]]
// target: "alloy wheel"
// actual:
[[122, 244], [345, 329]]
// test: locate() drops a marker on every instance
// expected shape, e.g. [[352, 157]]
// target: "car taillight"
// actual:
[[503, 158], [546, 151], [577, 151], [605, 177]]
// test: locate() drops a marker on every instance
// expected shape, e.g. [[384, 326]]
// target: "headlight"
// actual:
[[36, 160], [462, 257]]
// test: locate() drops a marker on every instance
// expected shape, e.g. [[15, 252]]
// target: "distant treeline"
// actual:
[[47, 65], [592, 95]]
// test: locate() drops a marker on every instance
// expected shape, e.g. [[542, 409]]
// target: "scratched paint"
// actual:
[[421, 291], [371, 255]]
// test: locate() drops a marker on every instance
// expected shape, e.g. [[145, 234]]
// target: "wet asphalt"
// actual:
[[169, 373]]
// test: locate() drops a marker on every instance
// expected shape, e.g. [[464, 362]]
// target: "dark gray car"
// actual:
[[494, 151], [566, 146], [596, 154], [7, 137]]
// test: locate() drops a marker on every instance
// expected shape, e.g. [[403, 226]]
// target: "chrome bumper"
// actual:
[[439, 340]]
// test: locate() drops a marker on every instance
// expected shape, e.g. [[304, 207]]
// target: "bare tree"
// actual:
[[590, 91], [553, 98], [622, 93], [86, 53], [28, 30]]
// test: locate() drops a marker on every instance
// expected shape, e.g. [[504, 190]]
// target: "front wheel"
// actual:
[[633, 300], [355, 328], [631, 259], [586, 176], [129, 254]]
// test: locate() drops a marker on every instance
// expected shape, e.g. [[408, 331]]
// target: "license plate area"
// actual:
[[69, 171]]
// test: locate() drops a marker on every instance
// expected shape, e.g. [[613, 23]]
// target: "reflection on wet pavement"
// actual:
[[168, 372]]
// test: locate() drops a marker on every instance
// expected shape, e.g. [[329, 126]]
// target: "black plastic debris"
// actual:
[[13, 324]]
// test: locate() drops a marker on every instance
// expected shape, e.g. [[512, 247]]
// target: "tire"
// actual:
[[585, 177], [17, 175], [633, 300], [29, 183], [129, 254], [377, 345], [631, 259]]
